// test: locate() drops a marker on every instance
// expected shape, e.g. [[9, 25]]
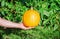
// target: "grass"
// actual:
[[48, 28]]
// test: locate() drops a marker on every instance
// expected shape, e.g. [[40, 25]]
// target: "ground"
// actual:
[[48, 28]]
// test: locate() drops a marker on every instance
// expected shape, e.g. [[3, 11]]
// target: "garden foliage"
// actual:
[[48, 28]]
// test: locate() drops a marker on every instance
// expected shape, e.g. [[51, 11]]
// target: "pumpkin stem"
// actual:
[[31, 8]]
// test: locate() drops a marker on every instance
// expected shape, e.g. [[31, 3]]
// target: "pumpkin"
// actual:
[[31, 18]]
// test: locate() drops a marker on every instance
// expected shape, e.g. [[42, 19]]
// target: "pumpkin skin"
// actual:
[[31, 18]]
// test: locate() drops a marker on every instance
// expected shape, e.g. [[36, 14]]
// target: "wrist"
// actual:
[[18, 26]]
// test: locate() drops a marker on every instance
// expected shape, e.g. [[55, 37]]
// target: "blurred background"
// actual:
[[48, 28]]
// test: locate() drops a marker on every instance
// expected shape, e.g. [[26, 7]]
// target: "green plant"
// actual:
[[49, 27]]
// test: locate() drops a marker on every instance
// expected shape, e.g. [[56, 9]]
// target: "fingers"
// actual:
[[22, 26], [26, 28]]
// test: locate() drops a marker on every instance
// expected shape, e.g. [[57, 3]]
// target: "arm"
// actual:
[[9, 24]]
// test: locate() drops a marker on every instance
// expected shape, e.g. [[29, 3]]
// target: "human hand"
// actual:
[[21, 26], [8, 24]]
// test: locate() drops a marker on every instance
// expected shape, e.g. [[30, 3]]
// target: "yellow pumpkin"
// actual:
[[31, 18]]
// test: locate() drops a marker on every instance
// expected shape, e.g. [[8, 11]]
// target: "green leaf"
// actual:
[[2, 3], [56, 27], [46, 21]]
